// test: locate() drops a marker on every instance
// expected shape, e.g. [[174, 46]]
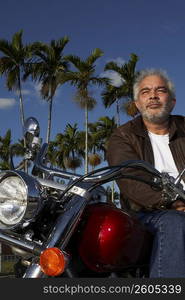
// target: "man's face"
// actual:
[[154, 101]]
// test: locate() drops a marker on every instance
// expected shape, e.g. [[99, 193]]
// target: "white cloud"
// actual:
[[37, 87], [119, 60], [6, 103], [115, 78], [24, 92]]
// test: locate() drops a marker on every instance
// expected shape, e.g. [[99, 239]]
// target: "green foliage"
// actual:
[[46, 64], [14, 60], [67, 150], [13, 64], [7, 267], [112, 94], [83, 78], [6, 148]]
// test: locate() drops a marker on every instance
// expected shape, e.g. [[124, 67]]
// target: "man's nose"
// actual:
[[153, 94]]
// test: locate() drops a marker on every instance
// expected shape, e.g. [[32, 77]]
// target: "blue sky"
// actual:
[[154, 30]]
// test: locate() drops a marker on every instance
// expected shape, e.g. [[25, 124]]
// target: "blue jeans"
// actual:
[[168, 252]]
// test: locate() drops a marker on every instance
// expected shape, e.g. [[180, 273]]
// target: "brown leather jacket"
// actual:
[[131, 142]]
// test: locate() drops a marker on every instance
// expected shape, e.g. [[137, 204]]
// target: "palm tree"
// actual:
[[6, 148], [113, 94], [99, 134], [52, 154], [105, 127], [49, 65], [69, 153], [83, 78], [12, 65], [94, 145]]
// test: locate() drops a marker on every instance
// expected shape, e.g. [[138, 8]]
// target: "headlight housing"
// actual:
[[20, 199]]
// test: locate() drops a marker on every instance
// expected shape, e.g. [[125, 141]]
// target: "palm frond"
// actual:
[[69, 76], [17, 40], [77, 62], [130, 108], [109, 95], [101, 81], [127, 73], [113, 66], [84, 100], [6, 65], [6, 47], [61, 43], [96, 53], [12, 80]]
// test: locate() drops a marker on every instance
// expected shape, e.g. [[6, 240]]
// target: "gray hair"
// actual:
[[150, 72]]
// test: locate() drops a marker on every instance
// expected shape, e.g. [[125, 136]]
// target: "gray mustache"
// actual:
[[154, 102]]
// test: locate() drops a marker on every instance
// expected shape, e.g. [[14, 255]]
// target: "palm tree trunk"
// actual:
[[117, 112], [49, 120], [86, 139], [22, 118], [21, 102]]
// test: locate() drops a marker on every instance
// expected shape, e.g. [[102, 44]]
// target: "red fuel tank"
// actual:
[[110, 239]]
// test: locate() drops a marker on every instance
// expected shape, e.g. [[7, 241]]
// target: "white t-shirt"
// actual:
[[163, 159]]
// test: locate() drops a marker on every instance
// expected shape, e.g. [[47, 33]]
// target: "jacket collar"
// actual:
[[140, 129]]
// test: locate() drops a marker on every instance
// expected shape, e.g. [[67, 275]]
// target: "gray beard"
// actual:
[[159, 117], [156, 118]]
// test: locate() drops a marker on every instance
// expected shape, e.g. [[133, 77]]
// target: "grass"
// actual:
[[7, 266]]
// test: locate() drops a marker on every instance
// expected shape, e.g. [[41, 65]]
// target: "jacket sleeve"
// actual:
[[138, 194]]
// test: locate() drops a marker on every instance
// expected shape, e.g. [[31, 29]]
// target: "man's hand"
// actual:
[[178, 205]]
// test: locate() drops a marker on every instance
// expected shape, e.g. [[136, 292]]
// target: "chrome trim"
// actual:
[[79, 191], [38, 164], [16, 240], [51, 172], [105, 176], [31, 125], [54, 185], [20, 252], [34, 271], [34, 199], [62, 231], [51, 184], [67, 222]]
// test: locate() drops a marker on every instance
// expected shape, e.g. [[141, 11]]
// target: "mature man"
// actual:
[[158, 138]]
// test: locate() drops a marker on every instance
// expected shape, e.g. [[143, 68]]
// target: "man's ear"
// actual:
[[136, 103], [131, 108], [174, 101]]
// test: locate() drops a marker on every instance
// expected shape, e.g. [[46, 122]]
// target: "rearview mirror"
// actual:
[[31, 126], [32, 132]]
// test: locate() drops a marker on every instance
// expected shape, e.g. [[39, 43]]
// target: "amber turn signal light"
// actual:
[[52, 261]]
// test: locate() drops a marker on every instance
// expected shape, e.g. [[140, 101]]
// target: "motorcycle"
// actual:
[[67, 229]]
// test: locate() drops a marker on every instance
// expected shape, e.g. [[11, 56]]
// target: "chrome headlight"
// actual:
[[20, 199]]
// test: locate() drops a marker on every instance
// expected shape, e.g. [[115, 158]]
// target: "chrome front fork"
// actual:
[[34, 271]]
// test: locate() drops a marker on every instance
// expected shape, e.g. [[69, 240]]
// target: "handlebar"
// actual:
[[103, 175], [100, 176], [90, 177]]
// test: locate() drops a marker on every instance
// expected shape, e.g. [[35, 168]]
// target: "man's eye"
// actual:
[[163, 90], [144, 92]]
